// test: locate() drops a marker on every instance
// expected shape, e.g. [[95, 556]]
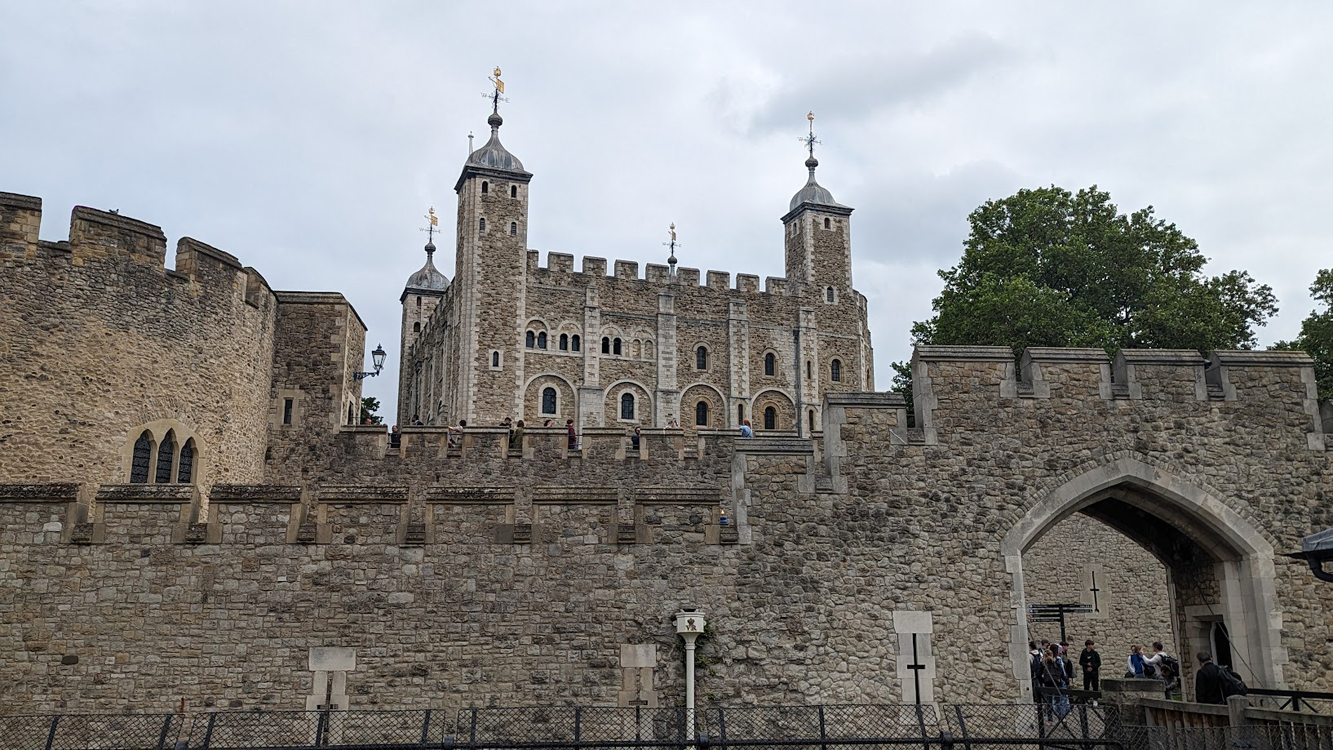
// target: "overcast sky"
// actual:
[[308, 139]]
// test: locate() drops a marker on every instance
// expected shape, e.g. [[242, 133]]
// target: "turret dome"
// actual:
[[428, 278], [813, 193]]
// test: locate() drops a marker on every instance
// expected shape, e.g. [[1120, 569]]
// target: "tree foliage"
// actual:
[[1316, 337], [369, 406], [1046, 267]]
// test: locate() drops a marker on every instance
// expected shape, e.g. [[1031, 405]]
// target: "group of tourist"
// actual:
[[1053, 670]]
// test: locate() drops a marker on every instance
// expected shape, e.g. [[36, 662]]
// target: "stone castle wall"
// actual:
[[485, 576], [100, 339]]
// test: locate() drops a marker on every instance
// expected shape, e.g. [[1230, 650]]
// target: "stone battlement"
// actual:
[[559, 268]]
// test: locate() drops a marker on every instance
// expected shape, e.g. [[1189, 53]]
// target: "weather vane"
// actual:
[[432, 227], [810, 140], [494, 96], [673, 245]]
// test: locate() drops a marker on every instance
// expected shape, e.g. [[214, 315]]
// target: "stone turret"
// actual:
[[421, 295]]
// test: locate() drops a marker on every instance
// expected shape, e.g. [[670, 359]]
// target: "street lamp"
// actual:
[[377, 357], [1317, 549]]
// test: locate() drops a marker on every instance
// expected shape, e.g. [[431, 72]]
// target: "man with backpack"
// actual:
[[1165, 666], [1214, 683]]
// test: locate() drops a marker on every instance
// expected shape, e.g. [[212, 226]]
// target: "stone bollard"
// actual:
[[1127, 695], [1236, 705]]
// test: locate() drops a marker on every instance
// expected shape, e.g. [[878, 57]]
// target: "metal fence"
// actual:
[[848, 727]]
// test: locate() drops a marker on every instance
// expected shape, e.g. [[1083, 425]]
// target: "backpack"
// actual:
[[1069, 667], [1232, 684], [1035, 665], [1170, 665]]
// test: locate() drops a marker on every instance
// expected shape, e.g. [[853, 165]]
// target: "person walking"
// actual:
[[1208, 681], [1091, 662]]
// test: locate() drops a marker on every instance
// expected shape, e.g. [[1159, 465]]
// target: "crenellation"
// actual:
[[97, 234], [1165, 374], [20, 223], [688, 277], [656, 273], [560, 263], [747, 283], [627, 269], [594, 267], [776, 285], [719, 280]]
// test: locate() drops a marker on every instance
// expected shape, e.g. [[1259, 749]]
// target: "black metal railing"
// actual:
[[1293, 700], [837, 727]]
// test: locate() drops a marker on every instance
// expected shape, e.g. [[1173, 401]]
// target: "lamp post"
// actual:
[[377, 357], [690, 625]]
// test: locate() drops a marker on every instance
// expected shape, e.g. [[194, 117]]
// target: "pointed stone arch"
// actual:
[[1242, 556]]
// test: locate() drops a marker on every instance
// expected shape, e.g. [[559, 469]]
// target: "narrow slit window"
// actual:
[[828, 224], [828, 295], [740, 414], [495, 359], [481, 225], [513, 229], [486, 188], [770, 364], [286, 411], [606, 345], [835, 371], [513, 191], [701, 358], [812, 420]]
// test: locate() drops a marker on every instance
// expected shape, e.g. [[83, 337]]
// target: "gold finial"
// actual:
[[810, 117], [499, 84], [430, 228]]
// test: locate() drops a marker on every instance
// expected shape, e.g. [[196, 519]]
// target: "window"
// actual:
[[574, 342], [829, 295], [143, 453], [531, 340], [648, 349], [513, 229], [740, 414], [351, 418], [615, 346], [564, 342], [513, 191], [495, 360], [701, 414], [770, 418], [770, 364], [165, 453], [185, 471], [416, 327], [486, 188], [606, 345], [835, 371], [481, 225], [286, 411], [701, 358], [541, 340], [548, 401], [827, 224], [636, 348], [627, 406], [809, 370], [812, 420], [418, 300]]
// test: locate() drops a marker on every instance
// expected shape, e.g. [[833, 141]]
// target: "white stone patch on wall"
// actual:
[[330, 665], [916, 661], [637, 662]]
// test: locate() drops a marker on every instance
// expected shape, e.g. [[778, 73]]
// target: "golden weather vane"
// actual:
[[810, 140], [433, 226], [495, 96], [671, 260]]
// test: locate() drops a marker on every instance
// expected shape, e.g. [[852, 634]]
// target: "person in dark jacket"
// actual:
[[1208, 681], [1091, 662]]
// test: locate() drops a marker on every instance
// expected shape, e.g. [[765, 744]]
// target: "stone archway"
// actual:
[[1232, 560]]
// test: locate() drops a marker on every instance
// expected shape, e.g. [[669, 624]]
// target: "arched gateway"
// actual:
[[1220, 566]]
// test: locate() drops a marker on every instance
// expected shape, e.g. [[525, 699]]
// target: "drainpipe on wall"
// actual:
[[689, 626]]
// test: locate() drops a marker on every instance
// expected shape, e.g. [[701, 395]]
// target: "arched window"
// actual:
[[828, 295], [770, 418], [835, 371], [606, 345], [513, 229], [548, 400], [648, 349], [615, 346], [531, 340], [495, 359], [485, 187], [143, 453], [513, 191], [185, 469], [812, 420], [701, 358], [564, 342], [574, 342], [481, 225], [740, 414], [701, 414], [627, 406], [416, 327], [636, 348], [418, 300], [166, 452], [828, 224], [541, 340], [770, 364]]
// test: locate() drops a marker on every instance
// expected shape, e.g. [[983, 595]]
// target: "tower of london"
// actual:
[[510, 337]]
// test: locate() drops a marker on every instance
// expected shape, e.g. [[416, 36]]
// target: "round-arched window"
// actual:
[[770, 418], [627, 406], [701, 414], [770, 364], [835, 371], [701, 358], [548, 400]]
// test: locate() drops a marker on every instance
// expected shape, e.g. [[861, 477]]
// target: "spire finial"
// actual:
[[430, 229], [810, 141], [495, 120], [671, 260]]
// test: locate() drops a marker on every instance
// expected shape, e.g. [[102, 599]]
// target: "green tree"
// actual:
[[1316, 336], [369, 406], [1047, 267]]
